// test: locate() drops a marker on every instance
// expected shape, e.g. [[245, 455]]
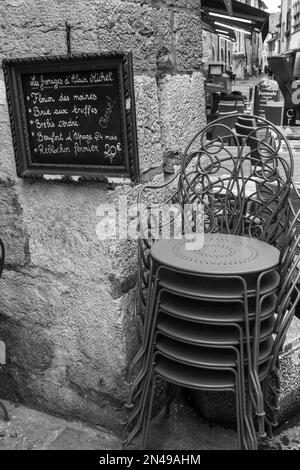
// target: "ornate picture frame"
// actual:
[[100, 145]]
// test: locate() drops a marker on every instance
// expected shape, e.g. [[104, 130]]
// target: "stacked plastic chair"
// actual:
[[220, 329]]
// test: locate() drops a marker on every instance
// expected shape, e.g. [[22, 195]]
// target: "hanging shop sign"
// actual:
[[73, 115]]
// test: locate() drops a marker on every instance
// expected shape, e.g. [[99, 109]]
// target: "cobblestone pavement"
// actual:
[[32, 430]]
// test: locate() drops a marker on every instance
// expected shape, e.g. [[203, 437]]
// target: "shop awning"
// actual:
[[217, 14]]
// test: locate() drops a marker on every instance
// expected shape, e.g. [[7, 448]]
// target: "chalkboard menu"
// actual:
[[265, 91], [73, 115]]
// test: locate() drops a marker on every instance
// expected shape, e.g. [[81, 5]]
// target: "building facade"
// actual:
[[289, 25], [216, 49], [273, 40], [284, 35], [244, 55], [248, 49]]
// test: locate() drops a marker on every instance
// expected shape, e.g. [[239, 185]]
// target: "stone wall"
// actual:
[[66, 298]]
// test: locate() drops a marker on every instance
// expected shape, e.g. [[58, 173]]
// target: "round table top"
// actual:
[[220, 255]]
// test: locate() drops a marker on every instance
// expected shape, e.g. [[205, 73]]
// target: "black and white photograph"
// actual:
[[149, 230]]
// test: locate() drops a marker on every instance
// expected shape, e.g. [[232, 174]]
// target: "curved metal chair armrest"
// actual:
[[150, 187], [295, 187]]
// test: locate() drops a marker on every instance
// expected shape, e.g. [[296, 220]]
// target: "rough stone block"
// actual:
[[82, 17], [95, 341], [37, 28], [131, 27], [192, 5], [12, 231], [188, 42], [7, 163], [60, 400], [148, 122], [86, 327], [2, 90], [31, 298], [27, 348], [61, 222], [182, 109]]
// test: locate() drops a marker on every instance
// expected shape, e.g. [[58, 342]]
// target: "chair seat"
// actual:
[[221, 254], [204, 356], [197, 378], [207, 334], [223, 312], [216, 288]]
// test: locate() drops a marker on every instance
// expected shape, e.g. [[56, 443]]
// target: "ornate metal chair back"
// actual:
[[243, 189], [221, 188]]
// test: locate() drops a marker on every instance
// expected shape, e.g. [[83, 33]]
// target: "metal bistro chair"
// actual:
[[231, 120], [216, 337], [225, 202], [229, 107], [210, 319], [2, 259], [246, 121]]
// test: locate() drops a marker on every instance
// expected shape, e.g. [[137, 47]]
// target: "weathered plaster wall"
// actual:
[[66, 298]]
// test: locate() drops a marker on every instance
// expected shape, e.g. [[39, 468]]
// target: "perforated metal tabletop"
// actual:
[[221, 255]]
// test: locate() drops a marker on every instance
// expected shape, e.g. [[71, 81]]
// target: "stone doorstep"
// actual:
[[220, 407]]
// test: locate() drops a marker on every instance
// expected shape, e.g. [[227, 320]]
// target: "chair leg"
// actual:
[[147, 419], [248, 429], [260, 413], [247, 433], [138, 412], [272, 408], [147, 325], [250, 401], [239, 417], [149, 349]]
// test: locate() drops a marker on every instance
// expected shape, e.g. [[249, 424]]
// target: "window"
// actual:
[[288, 22], [213, 53], [283, 32], [296, 16]]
